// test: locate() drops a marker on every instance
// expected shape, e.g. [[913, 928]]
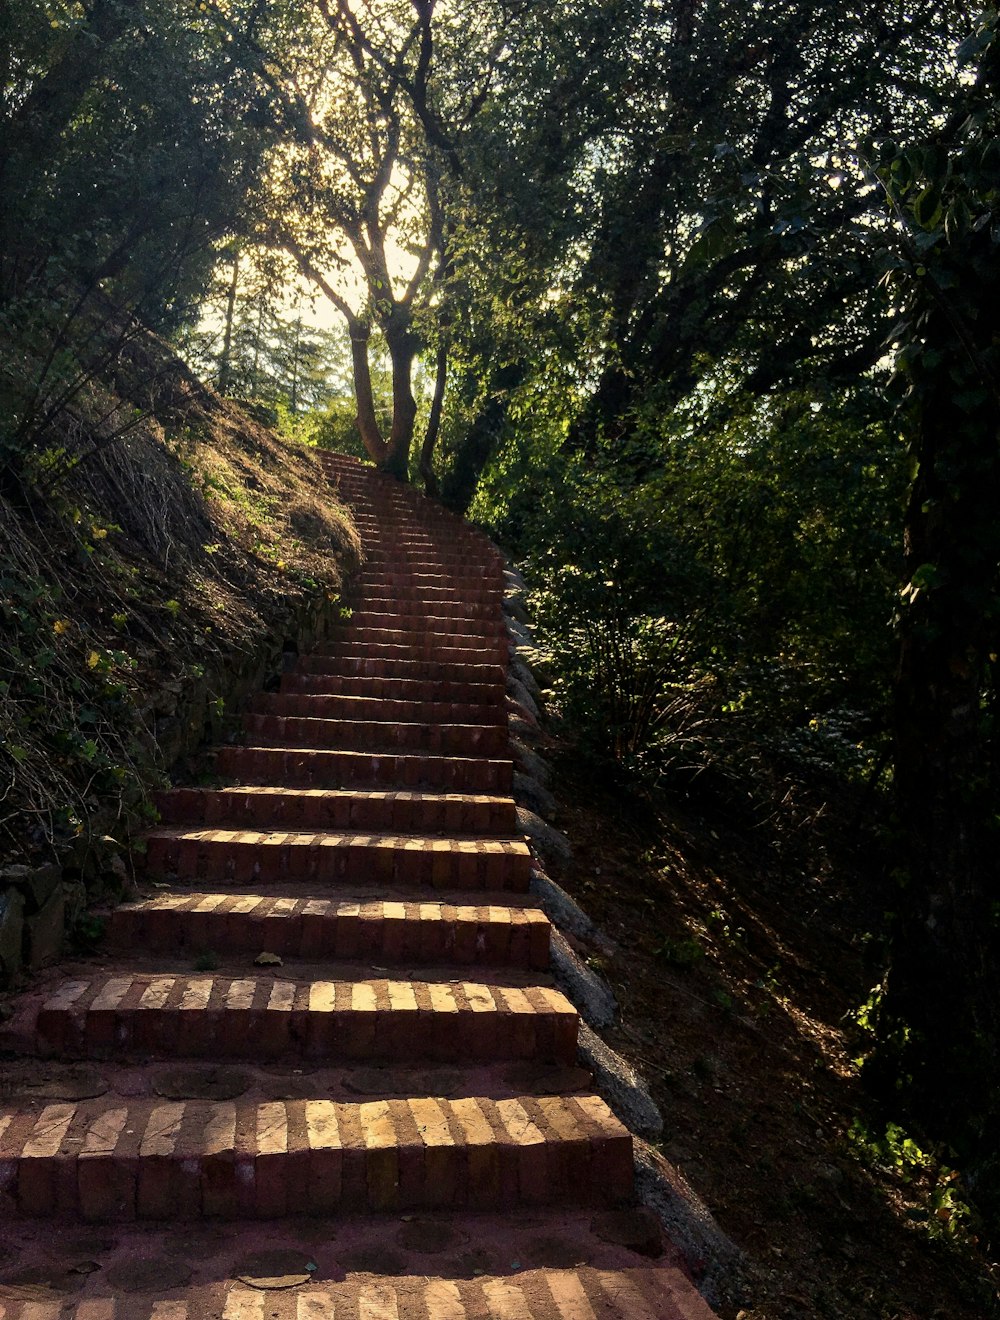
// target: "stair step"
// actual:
[[241, 856], [362, 655], [378, 930], [316, 768], [182, 1160], [376, 735], [339, 809], [620, 1291], [476, 588], [334, 706], [457, 563], [441, 605], [264, 1018], [405, 645], [468, 670], [447, 691], [428, 624]]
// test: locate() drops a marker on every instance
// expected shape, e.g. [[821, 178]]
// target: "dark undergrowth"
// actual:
[[746, 943]]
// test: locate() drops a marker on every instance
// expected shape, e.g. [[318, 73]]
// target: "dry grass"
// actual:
[[157, 530]]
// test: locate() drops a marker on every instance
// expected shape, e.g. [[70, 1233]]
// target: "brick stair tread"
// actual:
[[278, 728], [408, 769], [401, 607], [219, 1016], [242, 855], [392, 667], [417, 653], [476, 845], [157, 1159], [449, 691], [340, 808], [288, 903], [425, 624], [429, 590], [564, 1267], [393, 753], [343, 892], [390, 930], [373, 709]]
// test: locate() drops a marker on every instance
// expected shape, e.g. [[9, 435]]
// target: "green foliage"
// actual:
[[128, 142], [679, 952], [66, 714], [941, 1209], [717, 596]]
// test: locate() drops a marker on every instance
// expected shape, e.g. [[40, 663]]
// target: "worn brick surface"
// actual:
[[370, 825], [167, 1160]]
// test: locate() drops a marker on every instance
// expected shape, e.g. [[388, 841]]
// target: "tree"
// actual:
[[130, 144], [729, 200], [940, 1015], [366, 172]]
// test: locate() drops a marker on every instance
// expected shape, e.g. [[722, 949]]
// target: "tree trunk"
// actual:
[[402, 350], [940, 1018], [225, 360], [427, 474], [367, 421]]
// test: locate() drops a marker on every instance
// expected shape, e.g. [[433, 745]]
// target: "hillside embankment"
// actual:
[[159, 551]]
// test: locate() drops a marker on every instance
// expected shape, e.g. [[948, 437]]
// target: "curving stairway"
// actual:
[[319, 1068]]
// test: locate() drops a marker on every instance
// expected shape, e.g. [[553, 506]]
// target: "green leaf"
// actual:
[[927, 208]]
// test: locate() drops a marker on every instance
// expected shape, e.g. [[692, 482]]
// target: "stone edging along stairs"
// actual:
[[319, 1068]]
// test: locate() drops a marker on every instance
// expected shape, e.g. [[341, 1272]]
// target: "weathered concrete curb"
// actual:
[[588, 991], [620, 1085], [714, 1259], [567, 914]]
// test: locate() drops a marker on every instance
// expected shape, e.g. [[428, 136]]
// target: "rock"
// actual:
[[582, 985], [44, 933], [211, 1082], [11, 933], [521, 728], [36, 884], [58, 1081], [513, 580], [513, 605], [530, 762], [528, 792], [515, 711], [519, 670], [714, 1260], [552, 844], [620, 1085], [567, 913], [521, 631], [522, 696]]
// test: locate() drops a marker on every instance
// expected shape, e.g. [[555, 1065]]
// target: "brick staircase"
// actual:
[[391, 1090]]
